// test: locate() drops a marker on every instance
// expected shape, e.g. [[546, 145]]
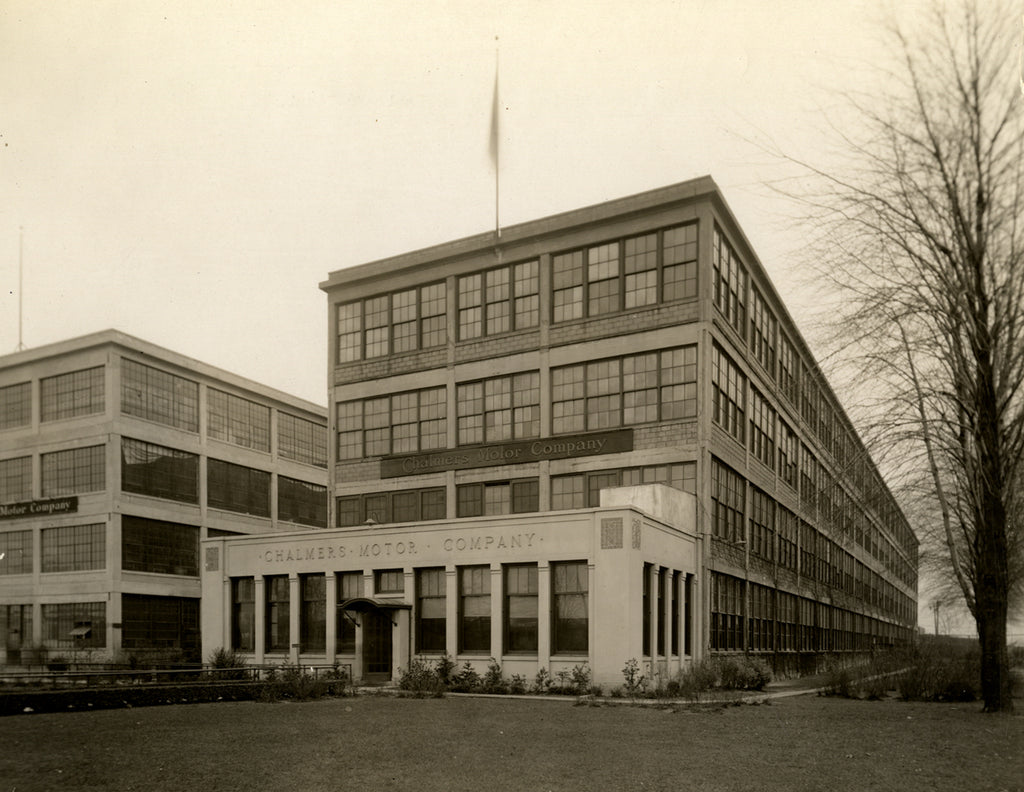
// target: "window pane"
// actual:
[[159, 396]]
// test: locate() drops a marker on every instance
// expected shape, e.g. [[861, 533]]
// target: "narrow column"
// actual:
[[259, 607], [294, 601], [544, 614], [331, 616], [451, 610], [497, 612]]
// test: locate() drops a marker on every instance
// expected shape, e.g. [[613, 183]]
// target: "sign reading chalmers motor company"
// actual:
[[508, 453], [37, 508]]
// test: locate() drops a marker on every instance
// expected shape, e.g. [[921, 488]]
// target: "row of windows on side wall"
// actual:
[[615, 276], [156, 395], [569, 619]]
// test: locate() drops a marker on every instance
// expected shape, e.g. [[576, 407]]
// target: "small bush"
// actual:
[[579, 679], [466, 681], [542, 681], [695, 681], [742, 673], [493, 681], [635, 681], [421, 679], [445, 667], [935, 673], [232, 662], [517, 685]]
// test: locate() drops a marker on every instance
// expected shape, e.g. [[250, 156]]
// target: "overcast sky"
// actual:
[[188, 172]]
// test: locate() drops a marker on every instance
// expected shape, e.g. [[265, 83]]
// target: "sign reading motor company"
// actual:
[[508, 453], [39, 508]]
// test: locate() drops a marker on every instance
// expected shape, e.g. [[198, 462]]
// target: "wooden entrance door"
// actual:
[[377, 655]]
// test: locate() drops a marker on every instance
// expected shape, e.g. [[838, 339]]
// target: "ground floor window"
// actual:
[[726, 612], [149, 622], [350, 586], [475, 609], [521, 608], [277, 628], [15, 629], [569, 617], [645, 604], [313, 613], [430, 610], [243, 617], [75, 625]]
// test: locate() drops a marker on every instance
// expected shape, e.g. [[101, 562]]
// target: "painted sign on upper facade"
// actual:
[[37, 508], [508, 453]]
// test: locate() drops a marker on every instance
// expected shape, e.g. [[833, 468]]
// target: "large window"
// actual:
[[729, 387], [763, 330], [237, 488], [392, 323], [762, 429], [276, 620], [384, 507], [313, 613], [521, 608], [475, 609], [16, 553], [728, 502], [72, 394], [236, 420], [788, 368], [149, 622], [159, 547], [730, 288], [150, 469], [16, 405], [789, 451], [77, 470], [301, 502], [430, 610], [498, 300], [74, 548], [569, 612], [74, 625], [243, 614], [762, 525], [605, 394], [301, 440], [660, 266], [15, 479], [500, 408], [726, 612], [350, 586], [498, 497], [583, 490], [156, 395], [397, 424]]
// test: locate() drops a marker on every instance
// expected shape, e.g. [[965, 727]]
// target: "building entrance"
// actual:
[[377, 645]]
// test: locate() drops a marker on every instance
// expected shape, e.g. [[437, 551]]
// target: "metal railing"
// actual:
[[19, 679]]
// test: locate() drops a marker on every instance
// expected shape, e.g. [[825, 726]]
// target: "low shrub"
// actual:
[[467, 680], [542, 681], [635, 680], [422, 679], [297, 684], [493, 681], [935, 673], [230, 664]]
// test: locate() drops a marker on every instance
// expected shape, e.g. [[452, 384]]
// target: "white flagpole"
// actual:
[[495, 131]]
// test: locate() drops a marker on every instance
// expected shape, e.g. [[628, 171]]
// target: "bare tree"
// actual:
[[922, 232]]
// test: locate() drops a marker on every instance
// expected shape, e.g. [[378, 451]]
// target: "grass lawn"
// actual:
[[800, 743]]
